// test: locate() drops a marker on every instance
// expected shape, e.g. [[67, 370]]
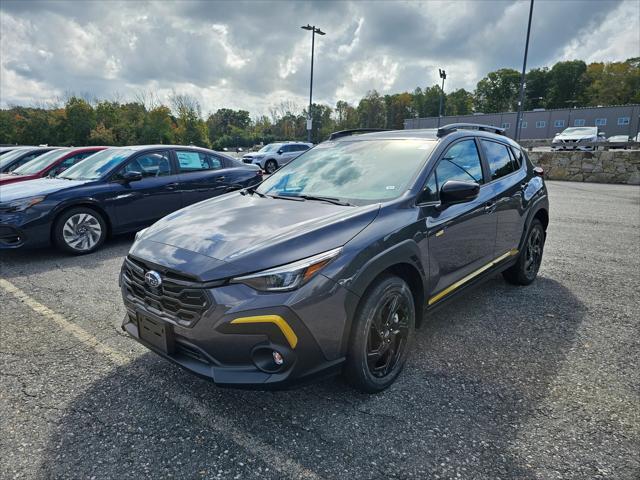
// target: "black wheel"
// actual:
[[79, 231], [271, 166], [526, 268], [380, 336]]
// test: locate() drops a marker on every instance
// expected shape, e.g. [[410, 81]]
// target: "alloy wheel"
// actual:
[[533, 253], [82, 231], [388, 334]]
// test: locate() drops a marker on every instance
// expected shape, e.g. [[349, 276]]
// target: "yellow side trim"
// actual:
[[439, 233], [471, 276], [277, 320]]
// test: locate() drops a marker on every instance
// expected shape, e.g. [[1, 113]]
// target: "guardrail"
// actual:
[[630, 145]]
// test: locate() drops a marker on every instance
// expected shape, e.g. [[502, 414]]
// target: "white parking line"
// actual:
[[224, 426]]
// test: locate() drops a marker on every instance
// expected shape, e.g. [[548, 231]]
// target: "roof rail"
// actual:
[[353, 131], [452, 127]]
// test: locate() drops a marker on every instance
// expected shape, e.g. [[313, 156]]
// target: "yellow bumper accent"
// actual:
[[277, 320], [472, 275]]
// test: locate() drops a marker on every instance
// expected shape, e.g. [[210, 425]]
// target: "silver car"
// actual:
[[274, 155], [578, 138]]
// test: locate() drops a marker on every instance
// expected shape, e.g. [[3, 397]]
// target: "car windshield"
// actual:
[[580, 131], [10, 156], [360, 172], [41, 162], [270, 148], [95, 166]]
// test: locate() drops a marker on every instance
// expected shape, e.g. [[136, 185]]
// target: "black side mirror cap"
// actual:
[[131, 176], [454, 191], [279, 152]]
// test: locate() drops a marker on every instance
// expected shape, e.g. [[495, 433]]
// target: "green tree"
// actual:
[[615, 83], [371, 111], [102, 135], [345, 115], [537, 81], [158, 126], [80, 120], [566, 84], [190, 128], [459, 102], [498, 91], [398, 107]]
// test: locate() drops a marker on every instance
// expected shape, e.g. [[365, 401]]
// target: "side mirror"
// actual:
[[131, 176], [601, 134], [454, 191], [279, 152]]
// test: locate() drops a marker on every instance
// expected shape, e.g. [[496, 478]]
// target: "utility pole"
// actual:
[[522, 78], [443, 76], [313, 30]]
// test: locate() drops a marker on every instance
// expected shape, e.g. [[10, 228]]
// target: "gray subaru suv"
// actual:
[[331, 263], [275, 155]]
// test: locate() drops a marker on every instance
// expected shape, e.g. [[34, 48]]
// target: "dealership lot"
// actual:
[[534, 382]]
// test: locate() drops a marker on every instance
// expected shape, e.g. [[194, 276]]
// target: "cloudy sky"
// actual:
[[253, 55]]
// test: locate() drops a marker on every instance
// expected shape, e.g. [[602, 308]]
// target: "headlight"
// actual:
[[288, 277], [20, 205]]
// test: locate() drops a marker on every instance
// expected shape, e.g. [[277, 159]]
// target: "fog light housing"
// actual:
[[277, 358]]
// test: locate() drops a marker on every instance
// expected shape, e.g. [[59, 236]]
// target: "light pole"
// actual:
[[443, 76], [313, 30], [522, 78]]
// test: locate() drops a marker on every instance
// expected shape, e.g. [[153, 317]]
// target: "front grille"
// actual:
[[247, 160], [178, 298]]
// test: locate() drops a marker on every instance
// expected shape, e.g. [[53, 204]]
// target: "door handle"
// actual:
[[220, 179], [489, 206], [524, 185], [172, 186]]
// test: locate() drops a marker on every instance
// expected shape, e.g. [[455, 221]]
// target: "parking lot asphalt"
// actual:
[[537, 382]]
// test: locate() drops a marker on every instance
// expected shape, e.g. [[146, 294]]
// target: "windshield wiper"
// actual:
[[335, 201], [252, 190], [295, 198]]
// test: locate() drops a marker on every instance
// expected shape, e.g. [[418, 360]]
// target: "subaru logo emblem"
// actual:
[[153, 279]]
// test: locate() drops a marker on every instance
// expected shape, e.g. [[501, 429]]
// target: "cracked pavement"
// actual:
[[538, 382]]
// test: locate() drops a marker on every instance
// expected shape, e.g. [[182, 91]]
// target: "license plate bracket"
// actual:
[[156, 333]]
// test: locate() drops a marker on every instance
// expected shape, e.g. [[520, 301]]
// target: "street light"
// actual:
[[522, 78], [443, 76], [313, 30]]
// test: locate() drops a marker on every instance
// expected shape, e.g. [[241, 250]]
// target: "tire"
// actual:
[[79, 231], [376, 355], [270, 166], [525, 270]]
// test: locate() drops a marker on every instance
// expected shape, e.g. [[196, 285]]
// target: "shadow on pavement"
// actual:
[[14, 263], [478, 372]]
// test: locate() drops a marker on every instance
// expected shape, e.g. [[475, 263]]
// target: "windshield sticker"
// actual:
[[391, 187]]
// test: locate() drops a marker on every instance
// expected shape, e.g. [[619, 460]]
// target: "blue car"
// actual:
[[117, 190]]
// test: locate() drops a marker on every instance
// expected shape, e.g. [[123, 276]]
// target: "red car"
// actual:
[[49, 164]]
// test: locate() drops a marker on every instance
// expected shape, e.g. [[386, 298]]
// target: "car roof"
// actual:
[[424, 134]]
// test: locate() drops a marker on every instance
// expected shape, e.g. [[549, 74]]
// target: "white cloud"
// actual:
[[253, 55]]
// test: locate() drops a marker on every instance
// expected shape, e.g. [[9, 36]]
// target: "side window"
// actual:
[[156, 164], [461, 162], [500, 163], [517, 156], [24, 160], [191, 161]]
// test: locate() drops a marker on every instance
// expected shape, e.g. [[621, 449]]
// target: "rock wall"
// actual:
[[612, 166]]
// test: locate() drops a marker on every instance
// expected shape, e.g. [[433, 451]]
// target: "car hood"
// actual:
[[236, 234], [574, 137], [37, 187]]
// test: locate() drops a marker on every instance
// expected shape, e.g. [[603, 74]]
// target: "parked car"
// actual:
[[114, 191], [4, 150], [275, 155], [618, 139], [331, 262], [575, 138], [48, 164], [18, 157]]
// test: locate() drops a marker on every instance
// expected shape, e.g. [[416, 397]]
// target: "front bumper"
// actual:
[[231, 342], [17, 231]]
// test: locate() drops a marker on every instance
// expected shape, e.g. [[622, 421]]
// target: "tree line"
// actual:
[[81, 121]]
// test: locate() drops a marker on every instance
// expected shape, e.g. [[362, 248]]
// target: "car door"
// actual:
[[460, 237], [507, 184], [202, 175], [289, 152], [141, 202]]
